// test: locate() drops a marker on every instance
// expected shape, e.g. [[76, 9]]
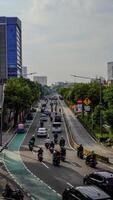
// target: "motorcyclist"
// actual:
[[51, 118], [80, 150], [63, 153], [56, 157], [40, 151], [55, 138], [31, 143], [8, 189], [47, 142], [52, 144], [62, 142], [33, 138], [51, 147], [91, 156]]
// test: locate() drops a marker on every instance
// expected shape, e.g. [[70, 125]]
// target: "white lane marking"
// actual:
[[69, 184], [45, 165], [67, 135]]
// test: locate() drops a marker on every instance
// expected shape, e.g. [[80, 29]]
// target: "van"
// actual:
[[56, 127]]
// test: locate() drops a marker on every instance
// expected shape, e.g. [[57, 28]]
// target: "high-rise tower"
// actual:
[[10, 47]]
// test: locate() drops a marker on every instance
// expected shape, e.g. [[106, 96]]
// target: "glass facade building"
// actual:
[[10, 47]]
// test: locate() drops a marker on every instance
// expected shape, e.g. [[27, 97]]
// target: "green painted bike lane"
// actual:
[[31, 184]]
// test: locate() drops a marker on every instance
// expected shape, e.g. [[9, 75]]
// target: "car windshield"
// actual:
[[41, 129], [56, 125]]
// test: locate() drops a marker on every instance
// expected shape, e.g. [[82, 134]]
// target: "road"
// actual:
[[81, 135], [43, 180]]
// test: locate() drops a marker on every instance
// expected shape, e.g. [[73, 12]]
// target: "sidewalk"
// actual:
[[4, 175], [7, 136]]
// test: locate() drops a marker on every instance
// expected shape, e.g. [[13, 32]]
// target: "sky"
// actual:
[[64, 37]]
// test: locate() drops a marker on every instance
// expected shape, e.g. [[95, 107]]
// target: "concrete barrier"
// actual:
[[75, 145]]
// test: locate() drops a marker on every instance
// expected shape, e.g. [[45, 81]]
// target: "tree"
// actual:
[[20, 95], [108, 116], [108, 96]]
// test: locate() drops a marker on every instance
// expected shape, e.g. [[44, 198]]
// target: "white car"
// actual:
[[41, 132], [43, 117]]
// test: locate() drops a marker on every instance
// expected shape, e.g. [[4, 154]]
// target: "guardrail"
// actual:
[[75, 145]]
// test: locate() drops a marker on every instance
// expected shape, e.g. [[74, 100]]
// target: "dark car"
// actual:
[[85, 193], [57, 118], [102, 179], [29, 116]]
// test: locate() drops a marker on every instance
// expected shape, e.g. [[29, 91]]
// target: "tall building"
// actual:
[[40, 79], [10, 47], [24, 71], [110, 71]]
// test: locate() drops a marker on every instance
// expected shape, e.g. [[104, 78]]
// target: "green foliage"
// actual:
[[20, 93], [108, 116], [108, 95], [96, 115]]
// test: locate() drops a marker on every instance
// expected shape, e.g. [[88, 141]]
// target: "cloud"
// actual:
[[64, 36]]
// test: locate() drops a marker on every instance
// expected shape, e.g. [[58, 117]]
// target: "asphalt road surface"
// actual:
[[43, 179]]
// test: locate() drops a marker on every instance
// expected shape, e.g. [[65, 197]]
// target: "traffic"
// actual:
[[46, 152]]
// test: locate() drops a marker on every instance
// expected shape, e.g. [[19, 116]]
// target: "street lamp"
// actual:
[[100, 94]]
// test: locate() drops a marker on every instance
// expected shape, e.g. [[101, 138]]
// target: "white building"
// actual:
[[24, 71], [110, 71], [40, 79]]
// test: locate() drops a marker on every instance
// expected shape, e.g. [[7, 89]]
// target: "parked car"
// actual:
[[41, 132], [85, 193], [43, 117], [102, 179]]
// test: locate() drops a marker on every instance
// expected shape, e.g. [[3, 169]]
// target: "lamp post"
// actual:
[[100, 95]]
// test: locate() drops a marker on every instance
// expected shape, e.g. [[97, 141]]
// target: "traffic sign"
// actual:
[[79, 101], [87, 108], [87, 101]]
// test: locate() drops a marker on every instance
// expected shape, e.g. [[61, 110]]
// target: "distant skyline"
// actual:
[[63, 37]]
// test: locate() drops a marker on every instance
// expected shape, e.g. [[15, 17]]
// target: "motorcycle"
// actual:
[[40, 155], [91, 162], [63, 154], [51, 149], [55, 140], [56, 159], [80, 154], [13, 194], [31, 147], [47, 145]]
